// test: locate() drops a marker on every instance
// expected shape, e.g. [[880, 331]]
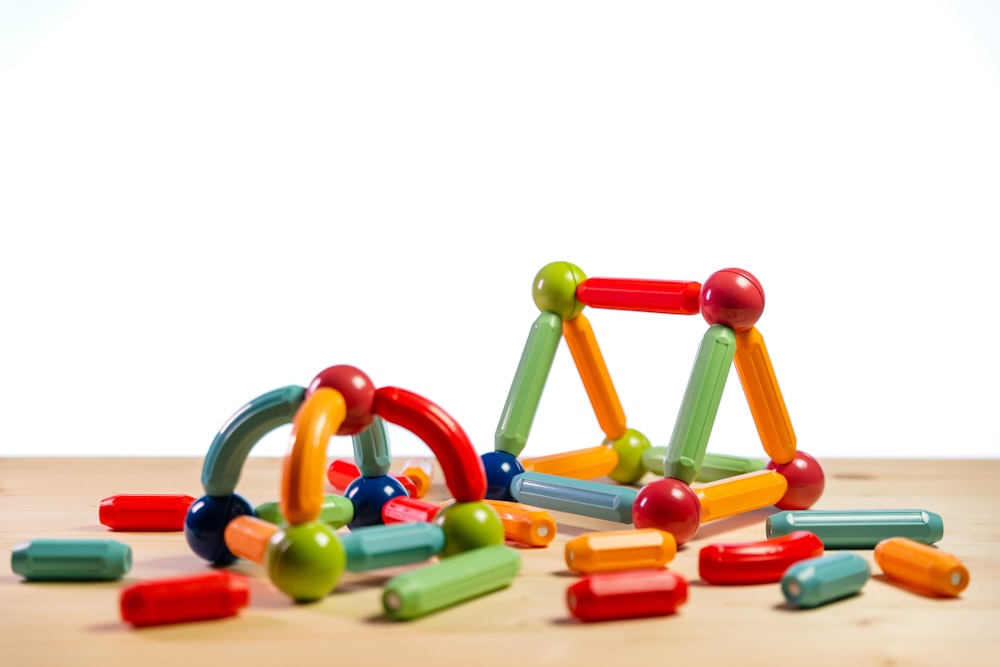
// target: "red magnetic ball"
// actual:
[[358, 391], [732, 297], [668, 504], [805, 481]]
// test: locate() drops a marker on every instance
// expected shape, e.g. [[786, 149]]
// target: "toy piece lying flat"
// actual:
[[858, 529]]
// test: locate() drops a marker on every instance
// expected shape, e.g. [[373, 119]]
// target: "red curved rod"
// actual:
[[463, 470]]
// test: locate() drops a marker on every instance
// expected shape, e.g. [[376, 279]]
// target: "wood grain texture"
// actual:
[[525, 624]]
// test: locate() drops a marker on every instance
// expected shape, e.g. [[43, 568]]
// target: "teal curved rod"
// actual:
[[232, 444]]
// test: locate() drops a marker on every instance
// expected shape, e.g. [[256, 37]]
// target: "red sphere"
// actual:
[[358, 391], [668, 504], [732, 297], [805, 481]]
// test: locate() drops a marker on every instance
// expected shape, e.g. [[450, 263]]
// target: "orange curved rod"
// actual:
[[316, 421]]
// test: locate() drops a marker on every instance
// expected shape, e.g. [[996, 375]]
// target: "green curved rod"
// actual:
[[232, 444]]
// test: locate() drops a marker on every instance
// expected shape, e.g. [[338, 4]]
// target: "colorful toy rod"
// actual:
[[402, 509], [648, 296], [818, 581], [450, 581], [248, 536], [582, 344], [145, 512], [575, 496], [756, 562], [337, 511], [184, 599], [607, 596], [523, 524], [587, 463], [54, 559], [608, 551], [858, 529], [922, 567], [689, 438], [713, 466], [376, 547], [739, 494]]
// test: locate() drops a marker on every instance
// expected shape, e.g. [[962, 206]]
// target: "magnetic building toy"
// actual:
[[731, 301], [303, 555]]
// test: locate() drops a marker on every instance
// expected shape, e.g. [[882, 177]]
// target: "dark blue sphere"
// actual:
[[501, 468], [369, 494], [205, 526]]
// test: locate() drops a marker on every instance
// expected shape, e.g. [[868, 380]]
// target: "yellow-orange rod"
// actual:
[[587, 463], [742, 493], [767, 406], [594, 373]]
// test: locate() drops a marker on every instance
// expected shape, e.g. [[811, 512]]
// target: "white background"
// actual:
[[203, 201]]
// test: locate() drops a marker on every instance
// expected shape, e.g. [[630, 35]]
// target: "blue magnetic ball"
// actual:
[[205, 526], [501, 468], [368, 495]]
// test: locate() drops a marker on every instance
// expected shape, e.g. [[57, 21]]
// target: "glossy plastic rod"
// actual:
[[575, 496], [460, 465], [455, 579], [247, 537], [587, 463], [199, 597], [818, 581], [337, 511], [607, 596], [742, 493], [224, 461], [858, 529], [674, 297], [524, 524], [371, 449], [401, 509], [921, 566], [696, 417], [753, 365], [756, 562], [607, 551], [593, 372], [375, 547], [529, 381], [145, 512], [302, 473], [713, 466], [71, 560]]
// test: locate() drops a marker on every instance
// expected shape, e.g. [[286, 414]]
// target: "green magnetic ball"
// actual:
[[554, 289], [306, 561], [468, 525], [629, 448]]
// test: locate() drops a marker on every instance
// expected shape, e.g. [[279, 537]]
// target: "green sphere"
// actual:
[[469, 525], [306, 561], [554, 289], [629, 448]]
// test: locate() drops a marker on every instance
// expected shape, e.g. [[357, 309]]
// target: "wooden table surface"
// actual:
[[526, 624]]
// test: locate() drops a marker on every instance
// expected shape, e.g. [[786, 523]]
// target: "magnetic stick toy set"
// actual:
[[467, 547]]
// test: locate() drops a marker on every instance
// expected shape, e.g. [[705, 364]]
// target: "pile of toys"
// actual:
[[461, 549]]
